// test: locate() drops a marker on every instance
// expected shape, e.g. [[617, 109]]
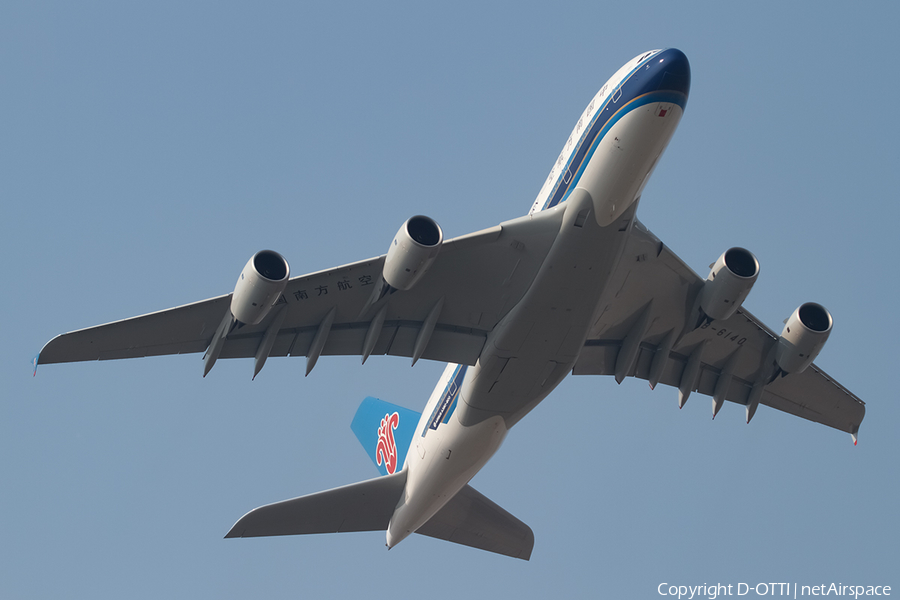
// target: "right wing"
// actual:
[[473, 282], [653, 295]]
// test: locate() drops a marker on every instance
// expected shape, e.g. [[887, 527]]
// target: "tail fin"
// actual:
[[386, 431]]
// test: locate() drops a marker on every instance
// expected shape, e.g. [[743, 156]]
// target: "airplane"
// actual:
[[578, 285]]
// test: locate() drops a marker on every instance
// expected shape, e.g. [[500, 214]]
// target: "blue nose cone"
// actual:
[[674, 71]]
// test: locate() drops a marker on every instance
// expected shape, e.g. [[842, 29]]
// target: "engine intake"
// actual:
[[805, 333], [259, 286], [728, 283], [412, 252]]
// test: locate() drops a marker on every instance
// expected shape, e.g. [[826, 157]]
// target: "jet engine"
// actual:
[[412, 252], [728, 283], [805, 333], [258, 288]]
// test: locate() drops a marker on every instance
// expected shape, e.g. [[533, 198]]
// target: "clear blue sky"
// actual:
[[147, 151]]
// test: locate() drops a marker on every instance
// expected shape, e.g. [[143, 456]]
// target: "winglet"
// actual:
[[34, 363]]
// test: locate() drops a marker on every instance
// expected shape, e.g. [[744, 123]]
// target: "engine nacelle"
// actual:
[[412, 252], [805, 332], [729, 282], [258, 288]]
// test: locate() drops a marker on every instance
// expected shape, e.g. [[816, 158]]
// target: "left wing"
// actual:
[[647, 329], [446, 316]]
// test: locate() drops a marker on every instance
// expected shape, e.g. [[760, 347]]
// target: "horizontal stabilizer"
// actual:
[[364, 506], [473, 520], [469, 518]]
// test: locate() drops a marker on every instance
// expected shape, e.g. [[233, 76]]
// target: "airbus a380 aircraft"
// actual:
[[578, 285]]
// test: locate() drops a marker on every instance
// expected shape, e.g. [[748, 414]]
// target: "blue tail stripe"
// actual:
[[374, 428]]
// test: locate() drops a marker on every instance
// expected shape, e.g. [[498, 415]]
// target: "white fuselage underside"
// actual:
[[536, 344]]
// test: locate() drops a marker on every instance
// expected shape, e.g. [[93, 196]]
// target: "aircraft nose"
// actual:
[[674, 71]]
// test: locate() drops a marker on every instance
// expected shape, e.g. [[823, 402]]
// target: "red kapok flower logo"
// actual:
[[386, 451]]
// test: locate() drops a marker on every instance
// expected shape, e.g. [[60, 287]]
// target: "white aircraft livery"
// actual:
[[579, 285]]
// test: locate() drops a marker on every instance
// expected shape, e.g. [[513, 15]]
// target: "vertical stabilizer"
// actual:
[[385, 431]]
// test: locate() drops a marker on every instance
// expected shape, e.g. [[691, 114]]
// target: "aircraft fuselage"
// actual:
[[593, 192]]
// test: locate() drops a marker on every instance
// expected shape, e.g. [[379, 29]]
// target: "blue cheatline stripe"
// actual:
[[563, 192], [633, 95]]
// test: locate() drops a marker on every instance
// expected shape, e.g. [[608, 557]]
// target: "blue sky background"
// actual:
[[147, 150]]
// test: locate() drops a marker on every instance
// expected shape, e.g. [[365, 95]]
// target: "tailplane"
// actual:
[[469, 518], [386, 432], [364, 506]]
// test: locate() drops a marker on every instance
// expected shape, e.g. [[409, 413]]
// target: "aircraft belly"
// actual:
[[526, 356], [534, 347]]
